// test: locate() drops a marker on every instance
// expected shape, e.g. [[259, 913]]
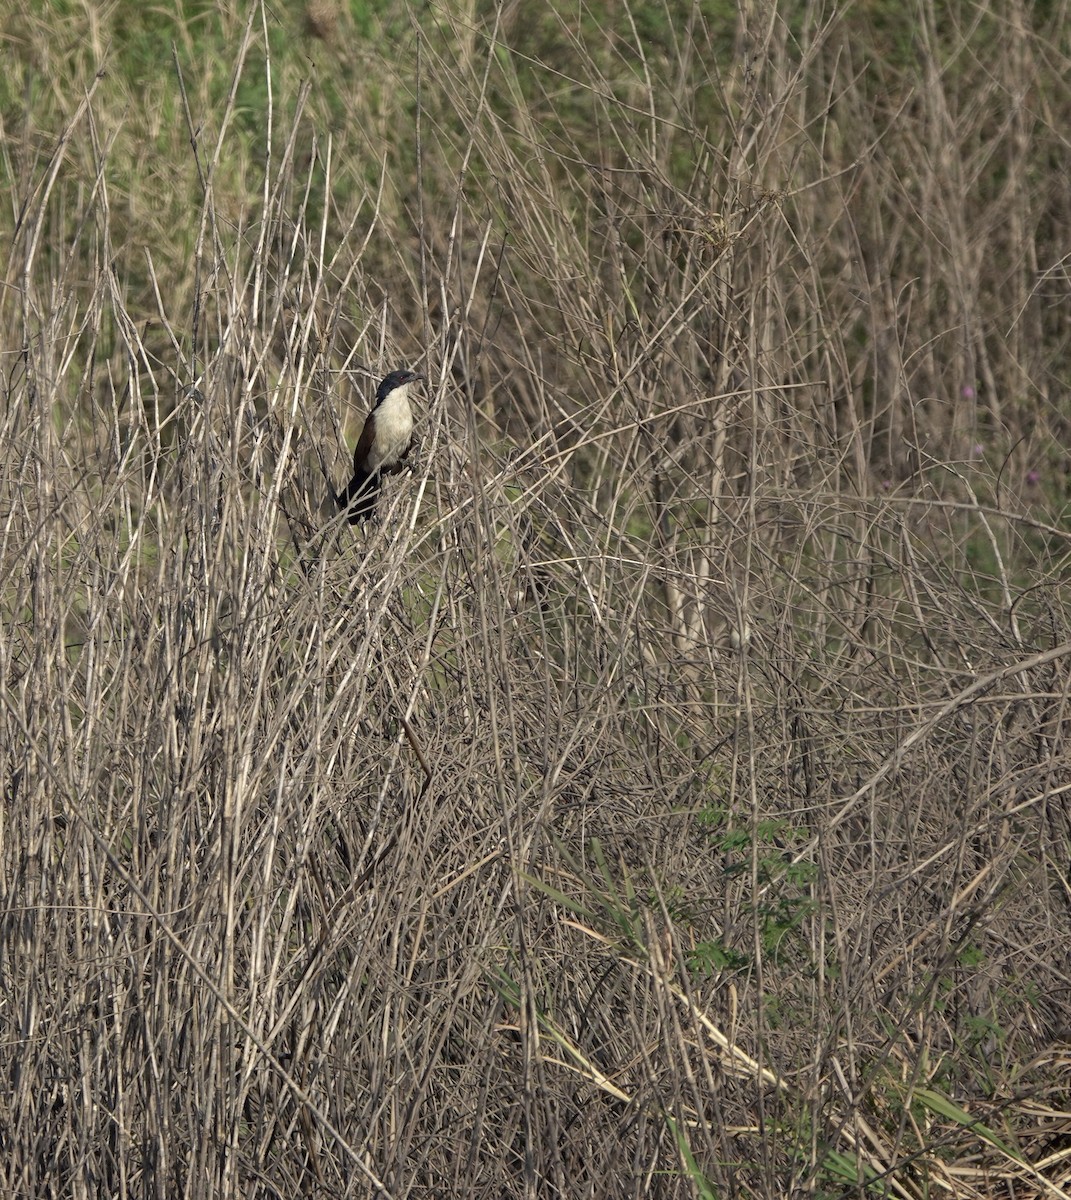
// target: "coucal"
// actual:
[[383, 446]]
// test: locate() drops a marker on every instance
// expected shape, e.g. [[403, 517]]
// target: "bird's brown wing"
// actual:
[[364, 443]]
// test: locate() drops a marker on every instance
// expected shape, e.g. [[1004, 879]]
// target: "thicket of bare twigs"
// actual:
[[668, 795]]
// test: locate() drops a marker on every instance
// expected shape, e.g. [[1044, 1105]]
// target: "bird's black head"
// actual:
[[393, 380]]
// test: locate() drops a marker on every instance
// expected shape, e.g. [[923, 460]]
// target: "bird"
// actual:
[[383, 446]]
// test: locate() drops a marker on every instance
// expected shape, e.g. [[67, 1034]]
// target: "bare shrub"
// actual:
[[668, 795]]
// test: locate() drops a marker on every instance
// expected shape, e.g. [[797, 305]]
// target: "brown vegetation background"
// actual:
[[669, 795]]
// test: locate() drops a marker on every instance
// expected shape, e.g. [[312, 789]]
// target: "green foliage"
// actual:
[[761, 853], [848, 1169], [711, 958], [704, 1189]]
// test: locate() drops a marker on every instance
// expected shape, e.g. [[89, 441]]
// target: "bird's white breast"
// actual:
[[394, 429]]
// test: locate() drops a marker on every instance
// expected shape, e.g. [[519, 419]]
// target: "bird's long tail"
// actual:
[[358, 498]]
